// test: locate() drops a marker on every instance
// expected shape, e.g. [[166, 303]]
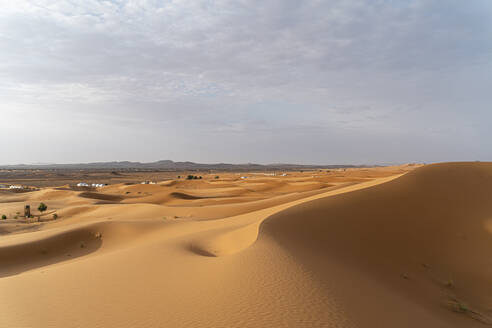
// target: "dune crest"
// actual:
[[232, 239]]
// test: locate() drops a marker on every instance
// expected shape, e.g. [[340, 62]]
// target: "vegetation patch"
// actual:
[[461, 307]]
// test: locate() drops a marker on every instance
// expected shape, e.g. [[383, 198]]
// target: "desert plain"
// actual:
[[397, 246]]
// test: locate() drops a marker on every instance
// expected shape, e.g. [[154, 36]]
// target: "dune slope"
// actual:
[[426, 236]]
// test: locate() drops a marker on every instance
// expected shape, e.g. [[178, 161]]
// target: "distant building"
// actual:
[[16, 187], [82, 184], [98, 185]]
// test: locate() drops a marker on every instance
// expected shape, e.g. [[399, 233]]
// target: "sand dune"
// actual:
[[355, 248], [423, 236], [47, 250]]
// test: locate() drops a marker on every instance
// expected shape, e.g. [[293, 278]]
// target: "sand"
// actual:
[[400, 246]]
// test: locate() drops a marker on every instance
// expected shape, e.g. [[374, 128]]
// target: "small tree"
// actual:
[[42, 207], [55, 216], [190, 177], [216, 176], [4, 217]]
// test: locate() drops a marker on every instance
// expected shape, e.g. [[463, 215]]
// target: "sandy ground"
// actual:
[[404, 246]]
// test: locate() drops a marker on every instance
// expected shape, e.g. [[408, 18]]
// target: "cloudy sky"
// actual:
[[340, 81]]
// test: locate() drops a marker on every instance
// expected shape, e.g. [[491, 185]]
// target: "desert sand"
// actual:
[[402, 246]]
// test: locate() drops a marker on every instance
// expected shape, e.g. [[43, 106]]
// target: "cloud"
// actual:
[[378, 69]]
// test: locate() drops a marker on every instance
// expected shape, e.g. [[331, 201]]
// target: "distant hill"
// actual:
[[169, 165]]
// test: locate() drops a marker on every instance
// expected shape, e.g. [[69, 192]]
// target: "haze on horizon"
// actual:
[[323, 82]]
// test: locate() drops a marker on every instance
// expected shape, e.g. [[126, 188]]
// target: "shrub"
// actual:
[[216, 176], [42, 207], [193, 177], [55, 216], [4, 217]]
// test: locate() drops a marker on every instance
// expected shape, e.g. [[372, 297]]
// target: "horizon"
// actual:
[[206, 163]]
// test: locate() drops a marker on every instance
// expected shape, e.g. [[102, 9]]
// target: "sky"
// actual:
[[311, 82]]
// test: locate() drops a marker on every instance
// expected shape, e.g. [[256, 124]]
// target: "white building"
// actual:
[[82, 184], [16, 187]]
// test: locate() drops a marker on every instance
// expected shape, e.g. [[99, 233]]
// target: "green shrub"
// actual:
[[190, 177], [4, 217], [55, 216], [42, 207], [216, 176]]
